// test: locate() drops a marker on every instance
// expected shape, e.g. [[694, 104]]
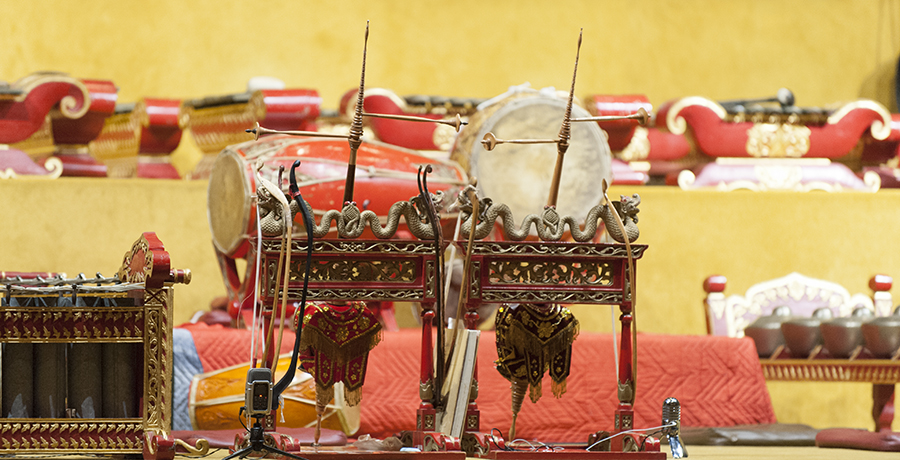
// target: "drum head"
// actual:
[[519, 175], [228, 201]]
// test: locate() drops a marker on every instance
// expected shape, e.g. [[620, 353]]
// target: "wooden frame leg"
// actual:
[[883, 406]]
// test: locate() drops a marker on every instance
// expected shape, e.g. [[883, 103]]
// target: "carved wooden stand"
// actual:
[[559, 272], [147, 321], [883, 374], [518, 272], [367, 270]]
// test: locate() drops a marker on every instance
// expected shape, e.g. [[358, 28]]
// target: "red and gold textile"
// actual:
[[335, 345], [532, 339]]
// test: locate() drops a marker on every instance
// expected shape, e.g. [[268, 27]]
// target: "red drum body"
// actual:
[[519, 175], [384, 175]]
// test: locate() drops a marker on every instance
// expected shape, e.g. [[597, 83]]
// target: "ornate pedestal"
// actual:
[[562, 272]]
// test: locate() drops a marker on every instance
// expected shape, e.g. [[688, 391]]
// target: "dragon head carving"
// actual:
[[627, 207], [465, 205], [437, 201]]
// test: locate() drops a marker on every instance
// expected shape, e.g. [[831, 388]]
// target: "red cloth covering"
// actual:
[[219, 346], [718, 381]]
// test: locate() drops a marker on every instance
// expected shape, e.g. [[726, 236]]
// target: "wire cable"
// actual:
[[634, 430]]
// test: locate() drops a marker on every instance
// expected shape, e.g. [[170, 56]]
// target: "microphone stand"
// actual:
[[257, 443]]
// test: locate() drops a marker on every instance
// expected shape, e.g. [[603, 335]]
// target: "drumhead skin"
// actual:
[[229, 201], [519, 175]]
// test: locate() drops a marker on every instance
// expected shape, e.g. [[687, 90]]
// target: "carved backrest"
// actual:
[[730, 315]]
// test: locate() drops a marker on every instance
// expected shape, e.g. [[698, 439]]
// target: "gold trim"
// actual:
[[68, 103], [214, 128], [880, 129], [53, 165], [774, 140], [200, 450], [639, 146], [676, 124], [737, 161]]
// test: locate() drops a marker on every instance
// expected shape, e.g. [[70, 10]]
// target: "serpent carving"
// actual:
[[271, 212], [549, 226], [350, 221]]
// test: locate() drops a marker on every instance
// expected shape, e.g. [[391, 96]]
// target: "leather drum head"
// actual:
[[229, 202], [519, 175]]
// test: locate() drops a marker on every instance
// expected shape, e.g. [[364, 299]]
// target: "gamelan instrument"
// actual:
[[534, 338], [137, 140], [85, 360], [770, 143]]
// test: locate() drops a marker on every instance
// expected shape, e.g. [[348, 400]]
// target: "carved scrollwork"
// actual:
[[358, 270], [362, 294], [352, 247], [538, 248], [61, 436], [538, 296], [550, 273]]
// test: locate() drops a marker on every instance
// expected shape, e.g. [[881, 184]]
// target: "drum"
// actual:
[[519, 175], [216, 398], [385, 174]]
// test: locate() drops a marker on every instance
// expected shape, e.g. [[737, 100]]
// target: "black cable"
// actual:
[[241, 417], [504, 447], [645, 439], [309, 223]]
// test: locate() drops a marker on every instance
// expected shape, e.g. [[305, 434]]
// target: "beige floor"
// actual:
[[750, 453], [695, 453]]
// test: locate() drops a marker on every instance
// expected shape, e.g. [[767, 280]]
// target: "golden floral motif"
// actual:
[[770, 140], [341, 334], [545, 329]]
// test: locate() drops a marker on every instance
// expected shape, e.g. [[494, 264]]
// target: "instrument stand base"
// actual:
[[258, 444]]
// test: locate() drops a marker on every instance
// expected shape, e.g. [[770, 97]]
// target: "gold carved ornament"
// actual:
[[777, 140]]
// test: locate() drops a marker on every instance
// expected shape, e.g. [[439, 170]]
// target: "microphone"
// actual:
[[671, 421], [258, 393]]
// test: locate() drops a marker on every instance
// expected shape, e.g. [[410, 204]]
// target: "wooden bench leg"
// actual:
[[883, 406]]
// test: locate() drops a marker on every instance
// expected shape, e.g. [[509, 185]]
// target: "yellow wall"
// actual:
[[824, 50]]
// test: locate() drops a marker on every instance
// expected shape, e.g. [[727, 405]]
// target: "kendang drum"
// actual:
[[216, 398], [519, 175], [385, 174]]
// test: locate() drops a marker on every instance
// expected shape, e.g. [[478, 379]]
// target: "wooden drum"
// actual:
[[519, 175], [216, 398]]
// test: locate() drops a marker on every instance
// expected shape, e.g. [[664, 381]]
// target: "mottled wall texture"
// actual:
[[826, 51]]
